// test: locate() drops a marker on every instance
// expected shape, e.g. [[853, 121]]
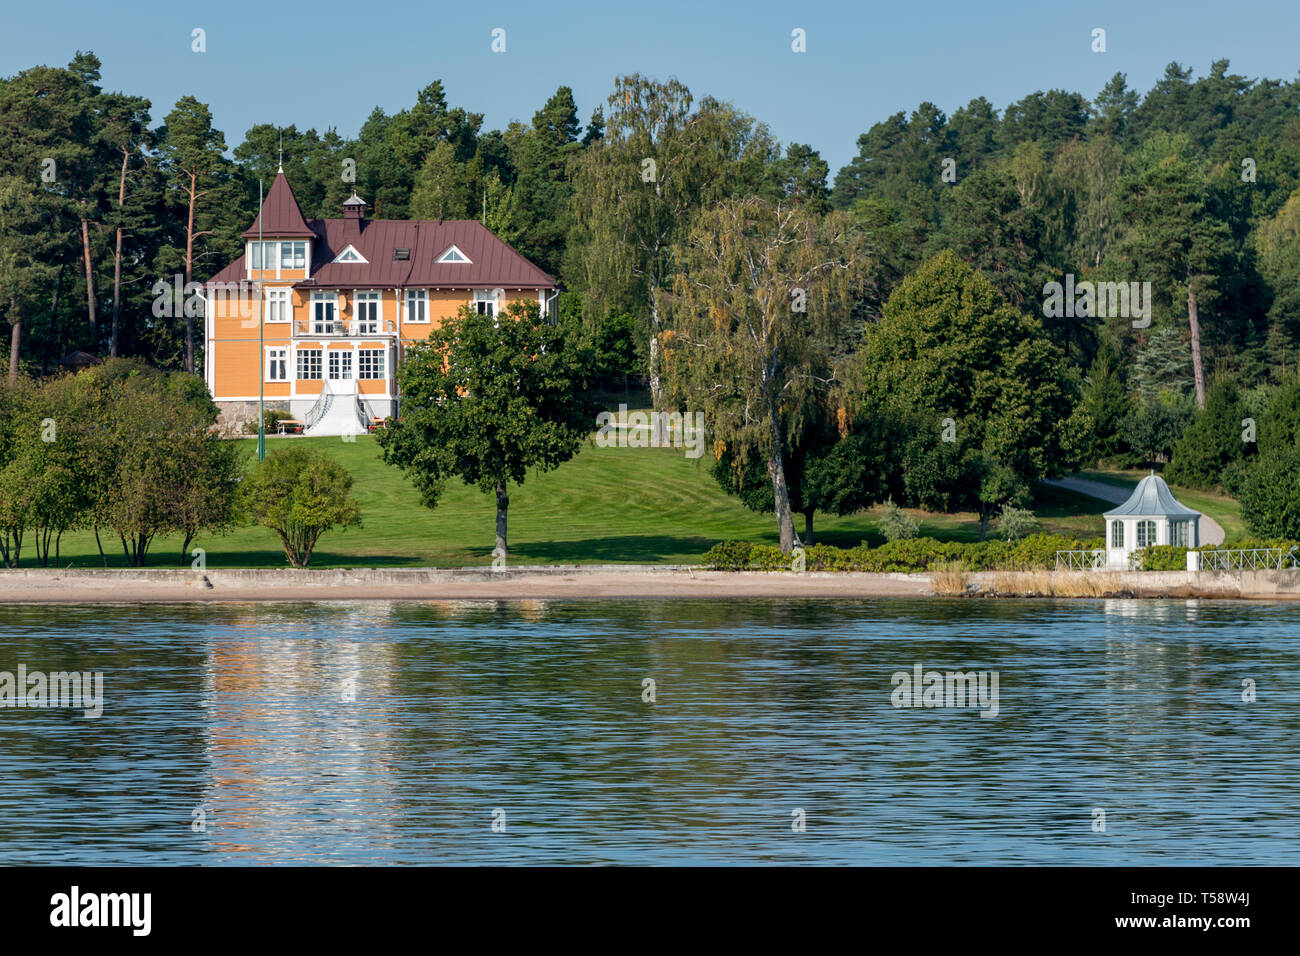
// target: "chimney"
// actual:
[[354, 208], [353, 218]]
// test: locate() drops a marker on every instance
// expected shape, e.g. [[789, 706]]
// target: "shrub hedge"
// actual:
[[1035, 552], [1162, 557]]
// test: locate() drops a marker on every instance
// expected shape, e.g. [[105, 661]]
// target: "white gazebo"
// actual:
[[1152, 515]]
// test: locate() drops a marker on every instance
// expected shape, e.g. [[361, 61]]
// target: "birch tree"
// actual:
[[761, 300], [638, 187]]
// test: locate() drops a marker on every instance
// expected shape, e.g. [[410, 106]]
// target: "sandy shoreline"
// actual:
[[143, 587], [606, 582]]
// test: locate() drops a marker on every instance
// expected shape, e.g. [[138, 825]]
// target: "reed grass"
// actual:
[[1067, 584], [950, 578]]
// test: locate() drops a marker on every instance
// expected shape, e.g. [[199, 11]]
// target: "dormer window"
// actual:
[[453, 255], [350, 254], [401, 255]]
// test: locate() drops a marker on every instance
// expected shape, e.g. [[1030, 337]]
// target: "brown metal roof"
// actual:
[[283, 218], [492, 263]]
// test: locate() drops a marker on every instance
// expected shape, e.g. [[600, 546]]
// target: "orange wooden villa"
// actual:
[[341, 299]]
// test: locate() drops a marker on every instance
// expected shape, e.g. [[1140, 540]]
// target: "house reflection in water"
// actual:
[[297, 736]]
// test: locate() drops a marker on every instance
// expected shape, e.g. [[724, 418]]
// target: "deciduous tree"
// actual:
[[485, 399], [761, 302], [300, 493]]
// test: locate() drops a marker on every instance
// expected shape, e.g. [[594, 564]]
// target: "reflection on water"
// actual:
[[293, 715], [390, 732]]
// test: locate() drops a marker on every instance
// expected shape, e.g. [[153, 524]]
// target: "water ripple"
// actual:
[[349, 733]]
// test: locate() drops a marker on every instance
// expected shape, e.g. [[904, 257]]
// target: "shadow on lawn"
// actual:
[[630, 549], [233, 560], [652, 549]]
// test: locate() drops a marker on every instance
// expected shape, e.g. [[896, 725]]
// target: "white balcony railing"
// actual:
[[344, 328]]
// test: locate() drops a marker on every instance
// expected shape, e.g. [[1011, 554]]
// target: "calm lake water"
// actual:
[[762, 708]]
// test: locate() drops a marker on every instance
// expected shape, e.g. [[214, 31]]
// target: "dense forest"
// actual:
[[1187, 196], [1189, 186]]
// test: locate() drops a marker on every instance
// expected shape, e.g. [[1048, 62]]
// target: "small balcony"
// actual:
[[344, 328]]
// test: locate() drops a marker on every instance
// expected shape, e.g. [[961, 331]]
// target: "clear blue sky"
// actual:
[[329, 63]]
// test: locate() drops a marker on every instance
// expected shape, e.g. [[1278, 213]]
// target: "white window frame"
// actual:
[[257, 256], [299, 355], [274, 354], [342, 359], [322, 298], [488, 296], [350, 256], [290, 249], [1146, 540], [417, 297], [367, 356], [283, 297], [362, 298], [463, 260], [1116, 532], [1180, 533]]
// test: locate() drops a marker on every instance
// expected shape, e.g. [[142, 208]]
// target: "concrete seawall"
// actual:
[[90, 585], [1252, 585]]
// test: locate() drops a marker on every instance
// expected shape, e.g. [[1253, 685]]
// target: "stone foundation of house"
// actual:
[[234, 415]]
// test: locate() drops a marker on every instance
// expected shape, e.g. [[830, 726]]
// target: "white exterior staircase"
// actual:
[[336, 411]]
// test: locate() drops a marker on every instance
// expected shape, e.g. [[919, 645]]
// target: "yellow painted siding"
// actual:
[[237, 366], [445, 303]]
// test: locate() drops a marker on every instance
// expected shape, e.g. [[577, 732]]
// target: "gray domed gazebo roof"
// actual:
[[1152, 499]]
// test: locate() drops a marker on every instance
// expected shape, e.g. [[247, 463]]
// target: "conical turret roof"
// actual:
[[1152, 499], [280, 217]]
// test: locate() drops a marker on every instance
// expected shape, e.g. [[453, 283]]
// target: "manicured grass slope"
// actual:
[[607, 505], [1226, 511]]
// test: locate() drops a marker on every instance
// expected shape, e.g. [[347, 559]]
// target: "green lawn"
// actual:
[[607, 505], [1226, 511]]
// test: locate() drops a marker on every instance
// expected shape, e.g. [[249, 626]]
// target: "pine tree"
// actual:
[[1213, 440], [1105, 400]]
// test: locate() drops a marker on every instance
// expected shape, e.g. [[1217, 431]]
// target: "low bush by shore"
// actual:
[[1034, 553], [905, 555]]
